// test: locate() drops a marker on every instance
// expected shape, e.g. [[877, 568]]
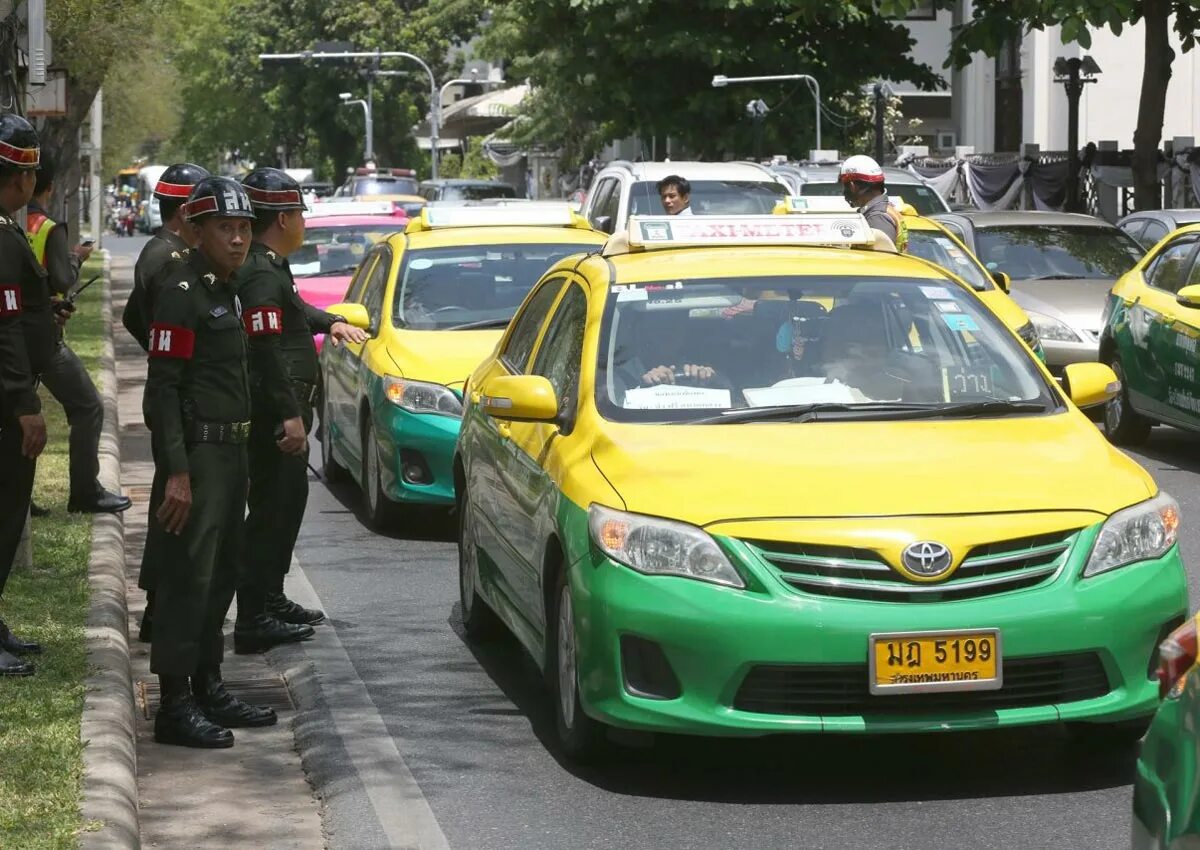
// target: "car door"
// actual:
[[489, 456], [1154, 332], [360, 356], [531, 493], [1183, 391], [341, 362]]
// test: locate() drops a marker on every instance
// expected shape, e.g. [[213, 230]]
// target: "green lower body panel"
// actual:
[[416, 454]]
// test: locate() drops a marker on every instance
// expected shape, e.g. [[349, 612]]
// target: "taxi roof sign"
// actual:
[[845, 229], [516, 215], [814, 204], [324, 208]]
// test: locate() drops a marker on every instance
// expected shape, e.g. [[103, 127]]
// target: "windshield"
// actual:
[[937, 247], [712, 197], [686, 350], [444, 288], [477, 192], [1030, 252], [335, 249], [385, 186], [923, 199]]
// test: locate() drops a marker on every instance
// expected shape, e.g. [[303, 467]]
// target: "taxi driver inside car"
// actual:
[[762, 528]]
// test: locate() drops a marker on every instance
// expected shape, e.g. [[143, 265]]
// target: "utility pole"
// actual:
[[97, 128], [880, 106], [757, 110]]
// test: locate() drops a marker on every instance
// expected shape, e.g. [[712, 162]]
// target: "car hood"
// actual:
[[1079, 301], [710, 473], [443, 357], [323, 291]]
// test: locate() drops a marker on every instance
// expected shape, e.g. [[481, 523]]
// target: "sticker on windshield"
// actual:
[[420, 264], [959, 322], [936, 292], [632, 295], [674, 397], [948, 306]]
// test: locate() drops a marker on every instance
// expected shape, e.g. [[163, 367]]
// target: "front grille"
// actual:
[[851, 573], [837, 690]]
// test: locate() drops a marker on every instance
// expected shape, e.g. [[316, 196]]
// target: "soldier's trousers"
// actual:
[[148, 572], [278, 496], [16, 488], [197, 570]]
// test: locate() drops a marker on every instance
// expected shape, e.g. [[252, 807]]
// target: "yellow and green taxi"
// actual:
[[740, 476], [436, 298], [1150, 334]]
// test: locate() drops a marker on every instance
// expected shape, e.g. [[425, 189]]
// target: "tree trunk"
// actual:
[[1156, 74], [59, 137]]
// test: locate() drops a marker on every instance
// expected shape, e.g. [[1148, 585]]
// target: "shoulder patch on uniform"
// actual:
[[171, 341], [260, 321], [10, 299], [176, 255], [183, 284]]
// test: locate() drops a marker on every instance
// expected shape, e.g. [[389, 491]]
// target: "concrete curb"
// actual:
[[109, 728]]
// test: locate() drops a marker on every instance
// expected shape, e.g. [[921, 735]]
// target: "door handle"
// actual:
[[504, 429]]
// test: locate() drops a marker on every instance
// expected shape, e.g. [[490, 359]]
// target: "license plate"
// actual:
[[928, 662]]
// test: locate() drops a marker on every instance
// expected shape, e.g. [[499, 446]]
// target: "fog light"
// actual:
[[647, 671], [413, 468]]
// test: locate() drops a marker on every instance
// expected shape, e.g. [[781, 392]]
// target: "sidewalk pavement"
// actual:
[[253, 795]]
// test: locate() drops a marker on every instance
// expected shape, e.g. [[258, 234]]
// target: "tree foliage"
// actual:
[[605, 69]]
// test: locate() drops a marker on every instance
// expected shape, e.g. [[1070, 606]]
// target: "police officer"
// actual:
[[285, 379], [169, 246], [65, 375], [863, 187], [27, 339], [198, 403]]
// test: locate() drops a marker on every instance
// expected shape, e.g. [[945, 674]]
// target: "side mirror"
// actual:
[[354, 314], [1090, 384], [1189, 296], [1002, 280], [604, 224], [519, 398]]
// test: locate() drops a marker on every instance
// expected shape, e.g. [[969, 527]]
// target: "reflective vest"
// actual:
[[37, 230], [901, 228]]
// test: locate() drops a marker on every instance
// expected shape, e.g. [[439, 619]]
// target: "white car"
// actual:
[[622, 189]]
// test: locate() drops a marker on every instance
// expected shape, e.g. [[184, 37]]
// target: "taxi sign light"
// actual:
[[327, 208], [816, 204], [531, 215], [840, 229]]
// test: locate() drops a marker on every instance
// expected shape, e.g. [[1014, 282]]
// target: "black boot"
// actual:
[[262, 631], [15, 645], [282, 608], [146, 629], [10, 665], [224, 708], [179, 720]]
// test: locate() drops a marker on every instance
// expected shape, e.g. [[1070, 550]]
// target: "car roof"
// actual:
[[354, 220], [1011, 218], [463, 181], [830, 174], [656, 171], [449, 237], [1181, 215]]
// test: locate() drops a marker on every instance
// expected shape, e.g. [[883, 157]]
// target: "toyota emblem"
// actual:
[[926, 558]]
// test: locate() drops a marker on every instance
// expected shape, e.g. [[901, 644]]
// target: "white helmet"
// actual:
[[862, 169]]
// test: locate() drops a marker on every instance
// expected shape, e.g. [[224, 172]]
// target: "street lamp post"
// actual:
[[369, 147], [720, 81], [1074, 74]]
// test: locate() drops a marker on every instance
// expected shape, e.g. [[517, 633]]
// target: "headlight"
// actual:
[[1136, 533], [422, 397], [1049, 328], [660, 546], [1028, 333]]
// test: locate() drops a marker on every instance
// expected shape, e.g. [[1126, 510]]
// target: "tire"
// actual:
[[478, 619], [1124, 425], [381, 511], [580, 736], [331, 470]]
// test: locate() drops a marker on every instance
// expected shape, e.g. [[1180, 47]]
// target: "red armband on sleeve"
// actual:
[[171, 341], [10, 299], [260, 321]]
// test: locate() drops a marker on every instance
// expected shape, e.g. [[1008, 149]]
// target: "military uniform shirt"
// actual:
[[280, 325], [197, 358], [152, 265], [28, 334]]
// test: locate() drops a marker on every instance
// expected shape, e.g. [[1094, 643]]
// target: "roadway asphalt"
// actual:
[[471, 725]]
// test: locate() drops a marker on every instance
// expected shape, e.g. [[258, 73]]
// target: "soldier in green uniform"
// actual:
[[28, 337], [169, 246], [285, 379], [198, 403]]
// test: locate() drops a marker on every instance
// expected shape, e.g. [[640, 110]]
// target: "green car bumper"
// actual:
[[416, 451], [1166, 789], [672, 654]]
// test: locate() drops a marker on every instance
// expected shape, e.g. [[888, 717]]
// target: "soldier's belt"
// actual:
[[306, 393], [217, 432]]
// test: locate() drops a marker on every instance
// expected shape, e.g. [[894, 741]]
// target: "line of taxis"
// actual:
[[757, 474]]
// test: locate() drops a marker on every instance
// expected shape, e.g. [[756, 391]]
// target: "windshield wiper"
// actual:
[[327, 272], [883, 410], [481, 324], [1057, 277]]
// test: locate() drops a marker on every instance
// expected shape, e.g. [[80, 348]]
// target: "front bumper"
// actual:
[[1060, 354], [417, 441], [712, 637]]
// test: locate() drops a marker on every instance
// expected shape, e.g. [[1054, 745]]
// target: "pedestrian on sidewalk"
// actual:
[[285, 383], [27, 335], [65, 375], [169, 246], [198, 403]]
